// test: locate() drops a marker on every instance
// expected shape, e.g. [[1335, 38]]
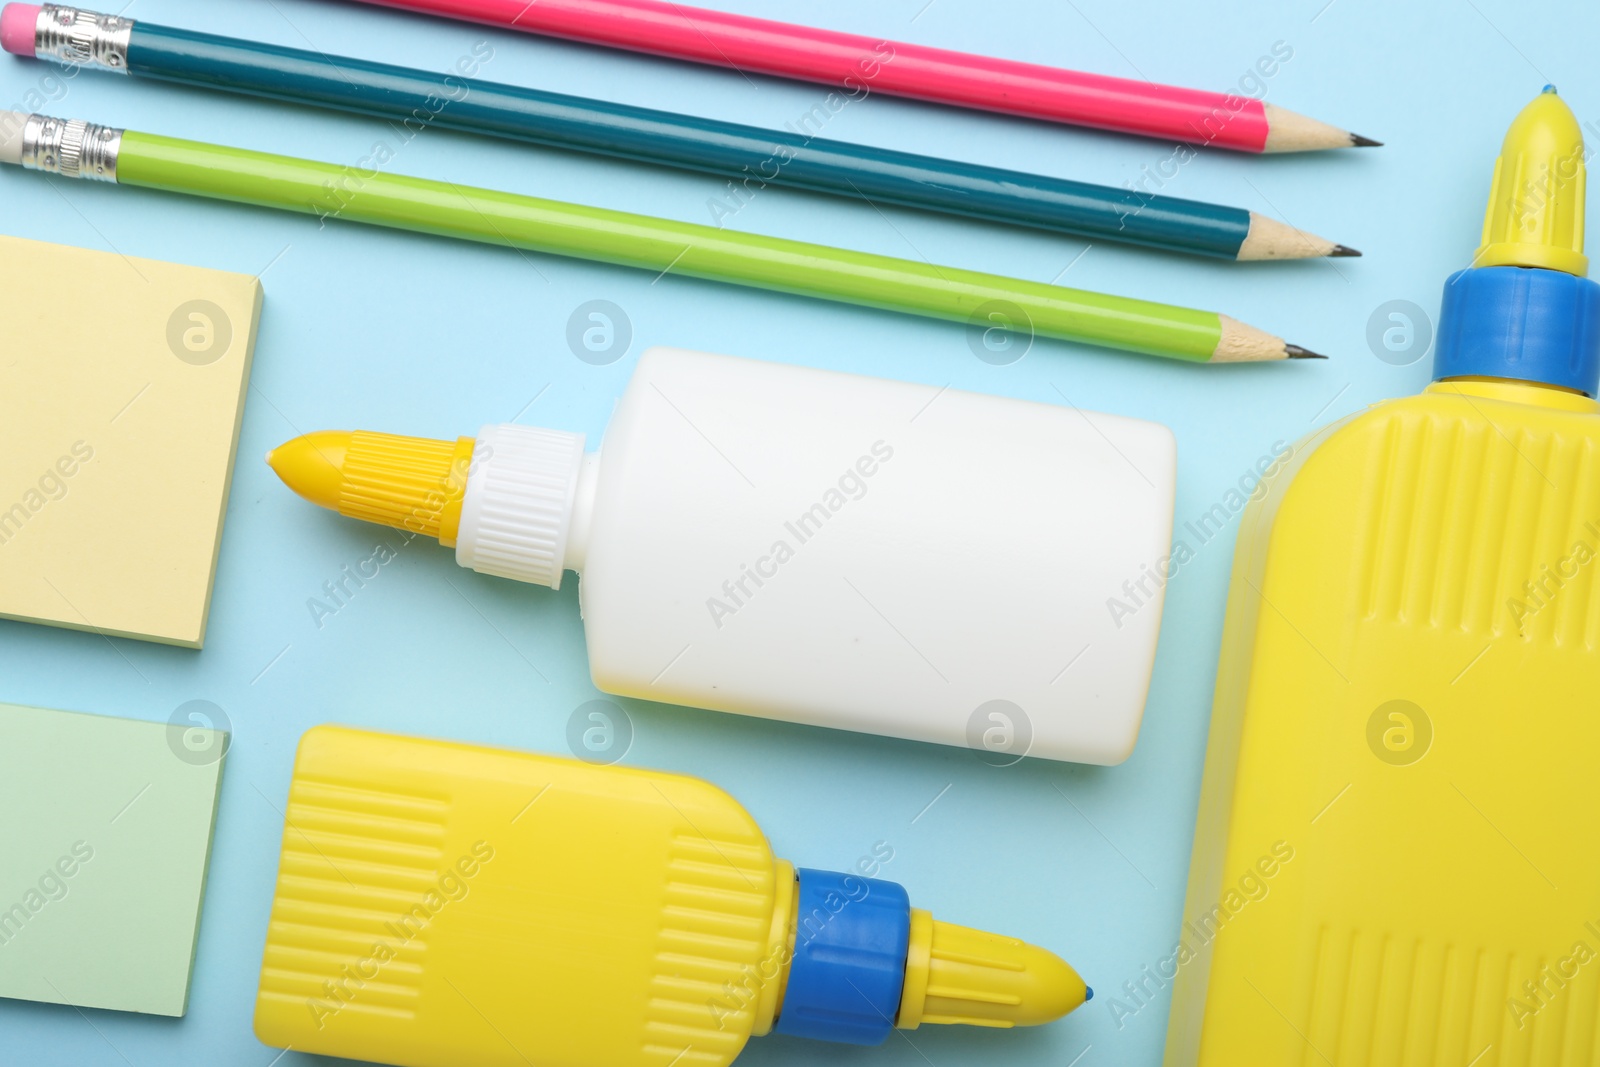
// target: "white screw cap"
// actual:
[[517, 514]]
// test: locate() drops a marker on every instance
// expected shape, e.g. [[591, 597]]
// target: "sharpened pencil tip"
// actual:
[[1364, 142], [1296, 352], [1344, 250]]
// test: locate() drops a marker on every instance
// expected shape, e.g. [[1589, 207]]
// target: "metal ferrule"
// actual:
[[82, 38], [71, 148]]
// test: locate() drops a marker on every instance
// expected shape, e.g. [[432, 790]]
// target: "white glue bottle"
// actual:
[[817, 547]]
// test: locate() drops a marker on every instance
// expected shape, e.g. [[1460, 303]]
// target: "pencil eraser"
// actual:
[[17, 24], [11, 123]]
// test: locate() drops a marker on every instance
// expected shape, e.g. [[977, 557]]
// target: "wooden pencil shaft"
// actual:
[[751, 156], [787, 50], [664, 246]]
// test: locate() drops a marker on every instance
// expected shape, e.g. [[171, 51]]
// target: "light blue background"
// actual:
[[381, 330]]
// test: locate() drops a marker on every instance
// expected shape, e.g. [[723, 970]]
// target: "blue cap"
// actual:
[[850, 942], [1525, 323]]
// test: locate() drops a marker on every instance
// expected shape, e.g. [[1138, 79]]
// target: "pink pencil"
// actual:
[[661, 27]]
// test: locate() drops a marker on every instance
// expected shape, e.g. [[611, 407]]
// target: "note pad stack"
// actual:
[[122, 383], [103, 856]]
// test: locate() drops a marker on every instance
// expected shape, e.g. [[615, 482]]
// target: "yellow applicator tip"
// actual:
[[313, 466], [1534, 216], [410, 483], [955, 974]]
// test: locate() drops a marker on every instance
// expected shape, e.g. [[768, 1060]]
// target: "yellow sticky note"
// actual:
[[122, 383]]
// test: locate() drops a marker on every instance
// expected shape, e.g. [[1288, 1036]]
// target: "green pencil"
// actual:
[[83, 150]]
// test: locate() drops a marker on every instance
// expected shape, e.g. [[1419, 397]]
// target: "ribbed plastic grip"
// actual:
[[518, 509], [1525, 323], [404, 482], [849, 964]]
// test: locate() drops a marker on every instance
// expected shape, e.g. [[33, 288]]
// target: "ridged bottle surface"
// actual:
[[1396, 861], [442, 904]]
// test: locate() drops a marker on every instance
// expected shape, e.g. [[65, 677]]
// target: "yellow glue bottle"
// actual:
[[447, 904], [1397, 859]]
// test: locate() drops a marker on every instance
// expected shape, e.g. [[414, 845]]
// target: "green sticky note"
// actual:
[[103, 853]]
